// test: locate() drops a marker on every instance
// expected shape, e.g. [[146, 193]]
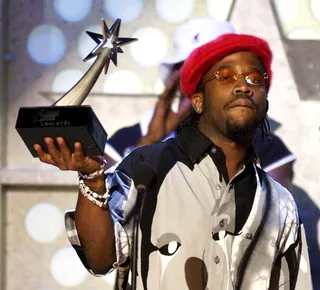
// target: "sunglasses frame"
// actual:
[[216, 75]]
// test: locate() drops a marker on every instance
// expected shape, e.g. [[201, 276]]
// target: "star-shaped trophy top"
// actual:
[[110, 40]]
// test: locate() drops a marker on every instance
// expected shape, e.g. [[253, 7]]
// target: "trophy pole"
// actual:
[[78, 93]]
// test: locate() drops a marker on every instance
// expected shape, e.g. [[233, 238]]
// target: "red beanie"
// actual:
[[205, 56]]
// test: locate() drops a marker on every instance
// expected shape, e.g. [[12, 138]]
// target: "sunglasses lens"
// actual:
[[256, 78], [227, 75]]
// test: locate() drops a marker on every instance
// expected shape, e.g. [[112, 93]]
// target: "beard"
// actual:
[[241, 133], [235, 130]]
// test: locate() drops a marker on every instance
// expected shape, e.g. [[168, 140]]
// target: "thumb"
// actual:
[[171, 86]]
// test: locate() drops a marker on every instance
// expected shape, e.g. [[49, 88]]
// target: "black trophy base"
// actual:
[[73, 123]]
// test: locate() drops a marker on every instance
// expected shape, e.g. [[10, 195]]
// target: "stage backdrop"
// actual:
[[42, 44]]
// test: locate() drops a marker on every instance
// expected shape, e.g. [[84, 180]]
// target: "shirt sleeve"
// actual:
[[292, 268], [123, 197]]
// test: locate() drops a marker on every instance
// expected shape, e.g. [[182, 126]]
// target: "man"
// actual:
[[212, 219], [162, 122]]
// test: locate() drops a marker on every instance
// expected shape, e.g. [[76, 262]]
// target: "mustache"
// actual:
[[241, 97]]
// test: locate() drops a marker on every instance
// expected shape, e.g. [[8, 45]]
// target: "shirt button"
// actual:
[[249, 236], [219, 187], [217, 260], [222, 223], [214, 150]]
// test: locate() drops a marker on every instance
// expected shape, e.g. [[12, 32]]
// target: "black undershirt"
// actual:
[[245, 185]]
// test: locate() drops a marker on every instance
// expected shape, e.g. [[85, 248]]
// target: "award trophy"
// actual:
[[66, 117]]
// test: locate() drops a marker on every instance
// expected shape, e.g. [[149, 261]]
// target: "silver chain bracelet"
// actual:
[[97, 199], [95, 173]]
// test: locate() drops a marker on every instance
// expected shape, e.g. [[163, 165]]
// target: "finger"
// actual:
[[84, 163], [54, 153], [39, 151], [171, 86], [172, 123], [161, 110], [44, 157], [78, 152], [175, 119], [166, 98], [184, 108], [172, 83], [65, 152], [174, 80]]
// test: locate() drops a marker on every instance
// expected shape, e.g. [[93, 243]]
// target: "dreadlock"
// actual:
[[265, 129], [193, 118]]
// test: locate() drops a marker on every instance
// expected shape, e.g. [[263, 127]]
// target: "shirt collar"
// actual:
[[196, 144], [194, 141]]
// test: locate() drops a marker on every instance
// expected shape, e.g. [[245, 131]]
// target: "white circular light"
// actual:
[[111, 278], [151, 48], [126, 10], [315, 8], [158, 86], [219, 10], [67, 269], [123, 82], [174, 11], [72, 10], [303, 33], [46, 44], [44, 222], [65, 80], [86, 44], [286, 10]]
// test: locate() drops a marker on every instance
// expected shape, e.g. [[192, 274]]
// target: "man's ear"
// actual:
[[197, 102]]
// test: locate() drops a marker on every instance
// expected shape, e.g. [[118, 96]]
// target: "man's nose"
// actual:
[[242, 87]]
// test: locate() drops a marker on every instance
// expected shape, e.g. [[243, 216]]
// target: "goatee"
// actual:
[[242, 134]]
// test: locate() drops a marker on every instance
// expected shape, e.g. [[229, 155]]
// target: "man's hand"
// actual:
[[64, 159], [174, 119], [164, 120]]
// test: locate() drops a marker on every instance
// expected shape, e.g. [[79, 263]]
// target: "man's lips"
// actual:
[[242, 103]]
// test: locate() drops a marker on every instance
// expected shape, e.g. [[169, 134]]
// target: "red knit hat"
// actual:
[[203, 57]]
